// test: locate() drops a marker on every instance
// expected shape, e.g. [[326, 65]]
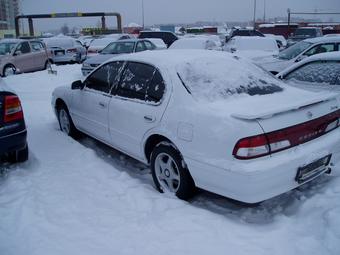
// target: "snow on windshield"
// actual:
[[212, 79], [294, 50]]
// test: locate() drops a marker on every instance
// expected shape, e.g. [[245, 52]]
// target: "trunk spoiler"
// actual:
[[265, 114]]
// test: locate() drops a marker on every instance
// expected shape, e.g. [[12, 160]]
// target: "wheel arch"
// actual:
[[151, 143]]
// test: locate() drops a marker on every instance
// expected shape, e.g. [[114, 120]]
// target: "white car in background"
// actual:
[[316, 73], [159, 43], [98, 44], [65, 49], [198, 43], [252, 46], [280, 39], [204, 119], [298, 52]]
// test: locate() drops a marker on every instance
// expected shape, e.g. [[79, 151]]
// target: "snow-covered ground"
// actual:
[[81, 197]]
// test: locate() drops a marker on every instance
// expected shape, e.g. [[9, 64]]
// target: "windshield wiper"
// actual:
[[186, 88]]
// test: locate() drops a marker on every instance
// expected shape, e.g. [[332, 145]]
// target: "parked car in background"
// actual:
[[318, 72], [20, 56], [280, 39], [243, 32], [13, 142], [98, 44], [115, 49], [65, 49], [298, 52], [252, 46], [167, 37], [168, 108], [160, 44], [198, 43], [303, 33]]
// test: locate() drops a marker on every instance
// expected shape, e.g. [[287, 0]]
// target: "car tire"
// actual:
[[9, 70], [65, 122], [19, 156], [47, 64], [170, 173]]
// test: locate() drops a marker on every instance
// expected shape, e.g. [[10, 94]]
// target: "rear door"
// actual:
[[38, 54], [136, 107]]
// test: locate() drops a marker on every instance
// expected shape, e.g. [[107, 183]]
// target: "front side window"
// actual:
[[294, 50], [6, 47], [118, 48], [24, 48], [140, 47], [149, 45], [142, 82], [105, 77], [317, 72], [322, 48]]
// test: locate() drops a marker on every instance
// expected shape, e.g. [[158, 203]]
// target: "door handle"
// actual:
[[149, 118], [102, 105]]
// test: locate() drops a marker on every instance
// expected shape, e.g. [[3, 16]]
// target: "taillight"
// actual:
[[265, 144], [12, 109], [71, 51]]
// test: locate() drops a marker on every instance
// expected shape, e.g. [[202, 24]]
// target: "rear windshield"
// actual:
[[305, 32], [294, 50], [220, 78]]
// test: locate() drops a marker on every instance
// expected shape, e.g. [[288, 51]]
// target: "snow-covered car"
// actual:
[[98, 44], [201, 43], [167, 36], [317, 73], [297, 52], [13, 141], [252, 46], [114, 49], [280, 39], [21, 56], [160, 44], [205, 119], [65, 49]]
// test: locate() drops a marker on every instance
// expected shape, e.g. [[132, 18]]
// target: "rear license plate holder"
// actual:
[[309, 171]]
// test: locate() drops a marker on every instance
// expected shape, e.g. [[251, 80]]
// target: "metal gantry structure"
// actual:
[[66, 15]]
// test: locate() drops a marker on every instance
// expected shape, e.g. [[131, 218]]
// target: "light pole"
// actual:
[[143, 13], [264, 10], [254, 13]]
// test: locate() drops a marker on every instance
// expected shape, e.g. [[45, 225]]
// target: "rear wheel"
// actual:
[[9, 70], [169, 172], [65, 122]]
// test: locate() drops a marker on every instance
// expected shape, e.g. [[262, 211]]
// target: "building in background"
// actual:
[[9, 9]]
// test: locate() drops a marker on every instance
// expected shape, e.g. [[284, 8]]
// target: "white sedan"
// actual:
[[205, 119]]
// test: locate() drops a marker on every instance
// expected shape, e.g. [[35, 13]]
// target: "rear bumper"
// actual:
[[253, 181], [13, 142], [75, 57]]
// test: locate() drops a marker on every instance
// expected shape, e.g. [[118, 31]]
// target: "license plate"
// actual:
[[59, 53], [313, 169]]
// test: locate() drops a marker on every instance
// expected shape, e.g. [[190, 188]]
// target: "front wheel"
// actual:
[[65, 122], [169, 172], [9, 70]]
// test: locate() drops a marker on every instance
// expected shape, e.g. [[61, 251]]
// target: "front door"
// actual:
[[23, 60], [90, 106]]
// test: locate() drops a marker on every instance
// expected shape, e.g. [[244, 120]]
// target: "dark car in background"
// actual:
[[13, 142], [166, 36], [244, 32], [303, 33], [114, 49]]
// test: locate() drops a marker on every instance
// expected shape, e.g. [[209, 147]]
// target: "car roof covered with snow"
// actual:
[[323, 39], [190, 43], [335, 56]]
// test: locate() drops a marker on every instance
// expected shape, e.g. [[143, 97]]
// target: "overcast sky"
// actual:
[[171, 11]]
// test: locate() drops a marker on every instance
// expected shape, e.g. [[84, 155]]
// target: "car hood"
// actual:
[[272, 63], [100, 58]]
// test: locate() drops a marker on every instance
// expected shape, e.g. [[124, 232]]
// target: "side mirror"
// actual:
[[77, 85], [17, 53]]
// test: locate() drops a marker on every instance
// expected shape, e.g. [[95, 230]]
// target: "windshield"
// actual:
[[294, 50], [212, 79], [118, 48], [6, 48]]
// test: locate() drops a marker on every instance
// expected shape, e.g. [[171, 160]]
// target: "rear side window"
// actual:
[[37, 46], [319, 72], [149, 45], [142, 82], [105, 77]]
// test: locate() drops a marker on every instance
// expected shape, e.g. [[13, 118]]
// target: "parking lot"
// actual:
[[82, 197]]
